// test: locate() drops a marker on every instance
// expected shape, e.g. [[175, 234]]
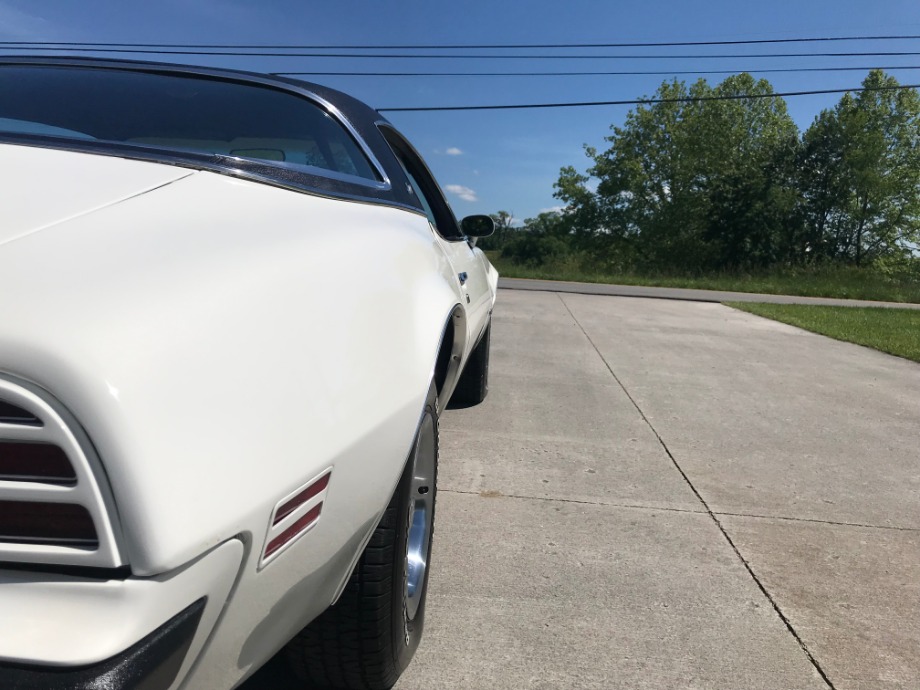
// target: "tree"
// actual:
[[882, 165], [745, 149], [503, 221], [542, 240], [860, 173], [692, 185], [825, 188], [504, 228]]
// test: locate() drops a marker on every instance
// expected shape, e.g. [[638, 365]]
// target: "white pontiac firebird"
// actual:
[[231, 309]]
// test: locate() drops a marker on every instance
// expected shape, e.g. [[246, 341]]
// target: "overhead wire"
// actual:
[[468, 46], [262, 50], [481, 56], [588, 74], [644, 101]]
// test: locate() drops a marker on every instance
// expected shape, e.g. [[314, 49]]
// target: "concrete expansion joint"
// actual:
[[576, 501], [835, 523], [715, 518]]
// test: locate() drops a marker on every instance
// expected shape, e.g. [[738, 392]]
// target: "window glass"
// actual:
[[417, 190], [189, 113], [425, 188]]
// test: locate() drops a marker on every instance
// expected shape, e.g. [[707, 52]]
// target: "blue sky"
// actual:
[[506, 159]]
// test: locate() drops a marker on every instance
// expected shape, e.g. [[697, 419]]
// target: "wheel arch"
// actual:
[[448, 363]]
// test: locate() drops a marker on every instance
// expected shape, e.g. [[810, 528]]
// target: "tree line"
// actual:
[[725, 182]]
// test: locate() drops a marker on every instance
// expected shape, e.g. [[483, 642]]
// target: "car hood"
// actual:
[[40, 188]]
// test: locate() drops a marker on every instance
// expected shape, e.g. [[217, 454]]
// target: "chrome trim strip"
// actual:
[[346, 123], [245, 169]]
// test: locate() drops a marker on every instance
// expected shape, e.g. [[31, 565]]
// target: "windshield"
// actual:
[[176, 111]]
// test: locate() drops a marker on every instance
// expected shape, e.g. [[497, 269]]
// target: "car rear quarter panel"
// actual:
[[222, 342]]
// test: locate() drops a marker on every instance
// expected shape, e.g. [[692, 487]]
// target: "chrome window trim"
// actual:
[[249, 169], [337, 114]]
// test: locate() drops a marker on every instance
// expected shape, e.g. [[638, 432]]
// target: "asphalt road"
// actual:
[[665, 494], [687, 294]]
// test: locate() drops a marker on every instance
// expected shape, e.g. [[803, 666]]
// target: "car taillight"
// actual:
[[57, 524], [45, 463], [56, 508]]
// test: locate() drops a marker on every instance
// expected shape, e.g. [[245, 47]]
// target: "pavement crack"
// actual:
[[552, 499], [792, 631], [835, 523]]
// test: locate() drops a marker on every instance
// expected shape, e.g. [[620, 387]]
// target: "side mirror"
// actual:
[[477, 226]]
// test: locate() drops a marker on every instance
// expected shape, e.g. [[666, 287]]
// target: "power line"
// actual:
[[643, 101], [464, 46], [590, 74], [481, 56]]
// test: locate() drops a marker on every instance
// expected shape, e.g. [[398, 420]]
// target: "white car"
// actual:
[[232, 307]]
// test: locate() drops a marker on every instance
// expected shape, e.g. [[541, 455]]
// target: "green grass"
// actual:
[[843, 282], [895, 331]]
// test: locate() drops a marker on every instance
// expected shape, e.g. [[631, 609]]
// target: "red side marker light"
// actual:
[[296, 514], [293, 504], [299, 526]]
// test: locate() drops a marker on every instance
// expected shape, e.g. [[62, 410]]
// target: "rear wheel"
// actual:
[[473, 385], [366, 640]]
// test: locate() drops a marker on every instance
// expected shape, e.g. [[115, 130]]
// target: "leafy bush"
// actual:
[[533, 249]]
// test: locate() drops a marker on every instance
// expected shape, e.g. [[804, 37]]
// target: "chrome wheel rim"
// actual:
[[421, 512]]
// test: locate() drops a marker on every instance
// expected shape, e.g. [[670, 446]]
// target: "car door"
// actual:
[[468, 263]]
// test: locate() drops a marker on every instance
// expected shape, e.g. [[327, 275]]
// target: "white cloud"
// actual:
[[450, 151], [464, 193], [553, 209]]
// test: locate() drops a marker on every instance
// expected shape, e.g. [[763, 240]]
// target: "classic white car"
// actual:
[[231, 309]]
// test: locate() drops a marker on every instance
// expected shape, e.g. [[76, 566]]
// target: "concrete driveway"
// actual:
[[662, 494]]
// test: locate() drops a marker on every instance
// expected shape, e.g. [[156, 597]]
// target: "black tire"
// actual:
[[473, 386], [366, 640]]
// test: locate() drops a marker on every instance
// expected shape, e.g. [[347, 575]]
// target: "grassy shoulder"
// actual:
[[838, 282], [895, 331]]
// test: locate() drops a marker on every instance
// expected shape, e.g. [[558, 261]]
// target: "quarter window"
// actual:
[[424, 187], [417, 190]]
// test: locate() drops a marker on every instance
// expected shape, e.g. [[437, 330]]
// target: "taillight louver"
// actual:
[[55, 505], [295, 514]]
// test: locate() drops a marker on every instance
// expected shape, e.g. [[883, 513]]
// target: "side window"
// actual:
[[417, 190], [424, 187]]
